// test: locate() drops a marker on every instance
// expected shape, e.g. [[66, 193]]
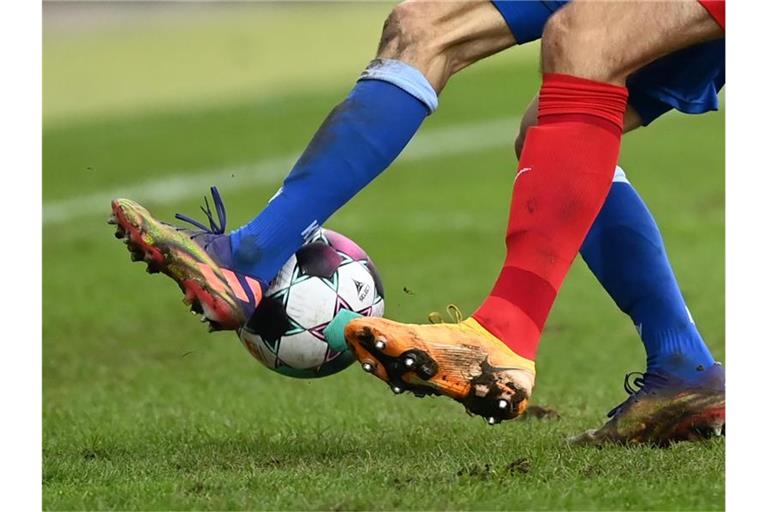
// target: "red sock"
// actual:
[[564, 176]]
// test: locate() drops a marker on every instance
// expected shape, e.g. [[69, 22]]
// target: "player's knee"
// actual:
[[570, 46], [560, 51], [409, 35], [406, 30]]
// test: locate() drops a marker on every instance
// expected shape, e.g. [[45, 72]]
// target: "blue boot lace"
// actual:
[[213, 228]]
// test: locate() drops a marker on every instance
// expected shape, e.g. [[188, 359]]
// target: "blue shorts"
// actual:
[[687, 80]]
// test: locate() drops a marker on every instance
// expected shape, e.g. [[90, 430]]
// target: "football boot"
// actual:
[[663, 408], [462, 360], [199, 260]]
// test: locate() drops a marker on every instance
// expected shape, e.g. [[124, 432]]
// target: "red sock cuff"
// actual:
[[570, 98]]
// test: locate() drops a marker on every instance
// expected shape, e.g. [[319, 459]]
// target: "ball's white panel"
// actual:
[[283, 279], [302, 350], [378, 308], [311, 302], [356, 286], [318, 236], [258, 348]]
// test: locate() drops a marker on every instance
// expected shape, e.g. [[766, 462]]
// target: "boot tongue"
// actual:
[[218, 248]]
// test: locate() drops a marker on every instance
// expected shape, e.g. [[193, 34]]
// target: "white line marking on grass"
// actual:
[[434, 143]]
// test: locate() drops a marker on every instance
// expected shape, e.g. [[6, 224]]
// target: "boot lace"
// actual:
[[214, 227], [637, 383], [454, 313]]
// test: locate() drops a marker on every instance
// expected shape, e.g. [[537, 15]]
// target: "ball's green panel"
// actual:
[[334, 332], [341, 362]]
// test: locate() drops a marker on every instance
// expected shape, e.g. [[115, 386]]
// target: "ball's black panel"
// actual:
[[317, 259], [270, 321]]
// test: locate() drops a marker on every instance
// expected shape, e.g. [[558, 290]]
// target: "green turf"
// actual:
[[142, 410]]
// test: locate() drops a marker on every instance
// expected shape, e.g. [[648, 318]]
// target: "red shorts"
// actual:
[[716, 9]]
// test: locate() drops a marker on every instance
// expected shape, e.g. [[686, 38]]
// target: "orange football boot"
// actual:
[[463, 361]]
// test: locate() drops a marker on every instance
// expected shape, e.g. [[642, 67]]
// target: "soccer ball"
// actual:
[[328, 273]]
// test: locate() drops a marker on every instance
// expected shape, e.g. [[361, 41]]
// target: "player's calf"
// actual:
[[423, 43]]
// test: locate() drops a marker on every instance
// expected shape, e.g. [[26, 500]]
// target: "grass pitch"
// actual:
[[143, 410]]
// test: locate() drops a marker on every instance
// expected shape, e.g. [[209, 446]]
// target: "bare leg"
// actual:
[[442, 38], [608, 41]]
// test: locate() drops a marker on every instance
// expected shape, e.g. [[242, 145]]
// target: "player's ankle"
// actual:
[[524, 360], [683, 366], [510, 325]]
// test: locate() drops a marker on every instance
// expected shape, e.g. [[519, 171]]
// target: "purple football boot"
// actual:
[[663, 408], [200, 261]]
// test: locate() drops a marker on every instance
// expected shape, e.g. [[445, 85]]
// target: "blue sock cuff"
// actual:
[[404, 76]]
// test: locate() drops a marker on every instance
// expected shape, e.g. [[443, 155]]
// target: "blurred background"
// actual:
[[110, 58], [143, 410]]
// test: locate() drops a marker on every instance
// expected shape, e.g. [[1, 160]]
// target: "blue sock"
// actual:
[[358, 140], [625, 251]]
